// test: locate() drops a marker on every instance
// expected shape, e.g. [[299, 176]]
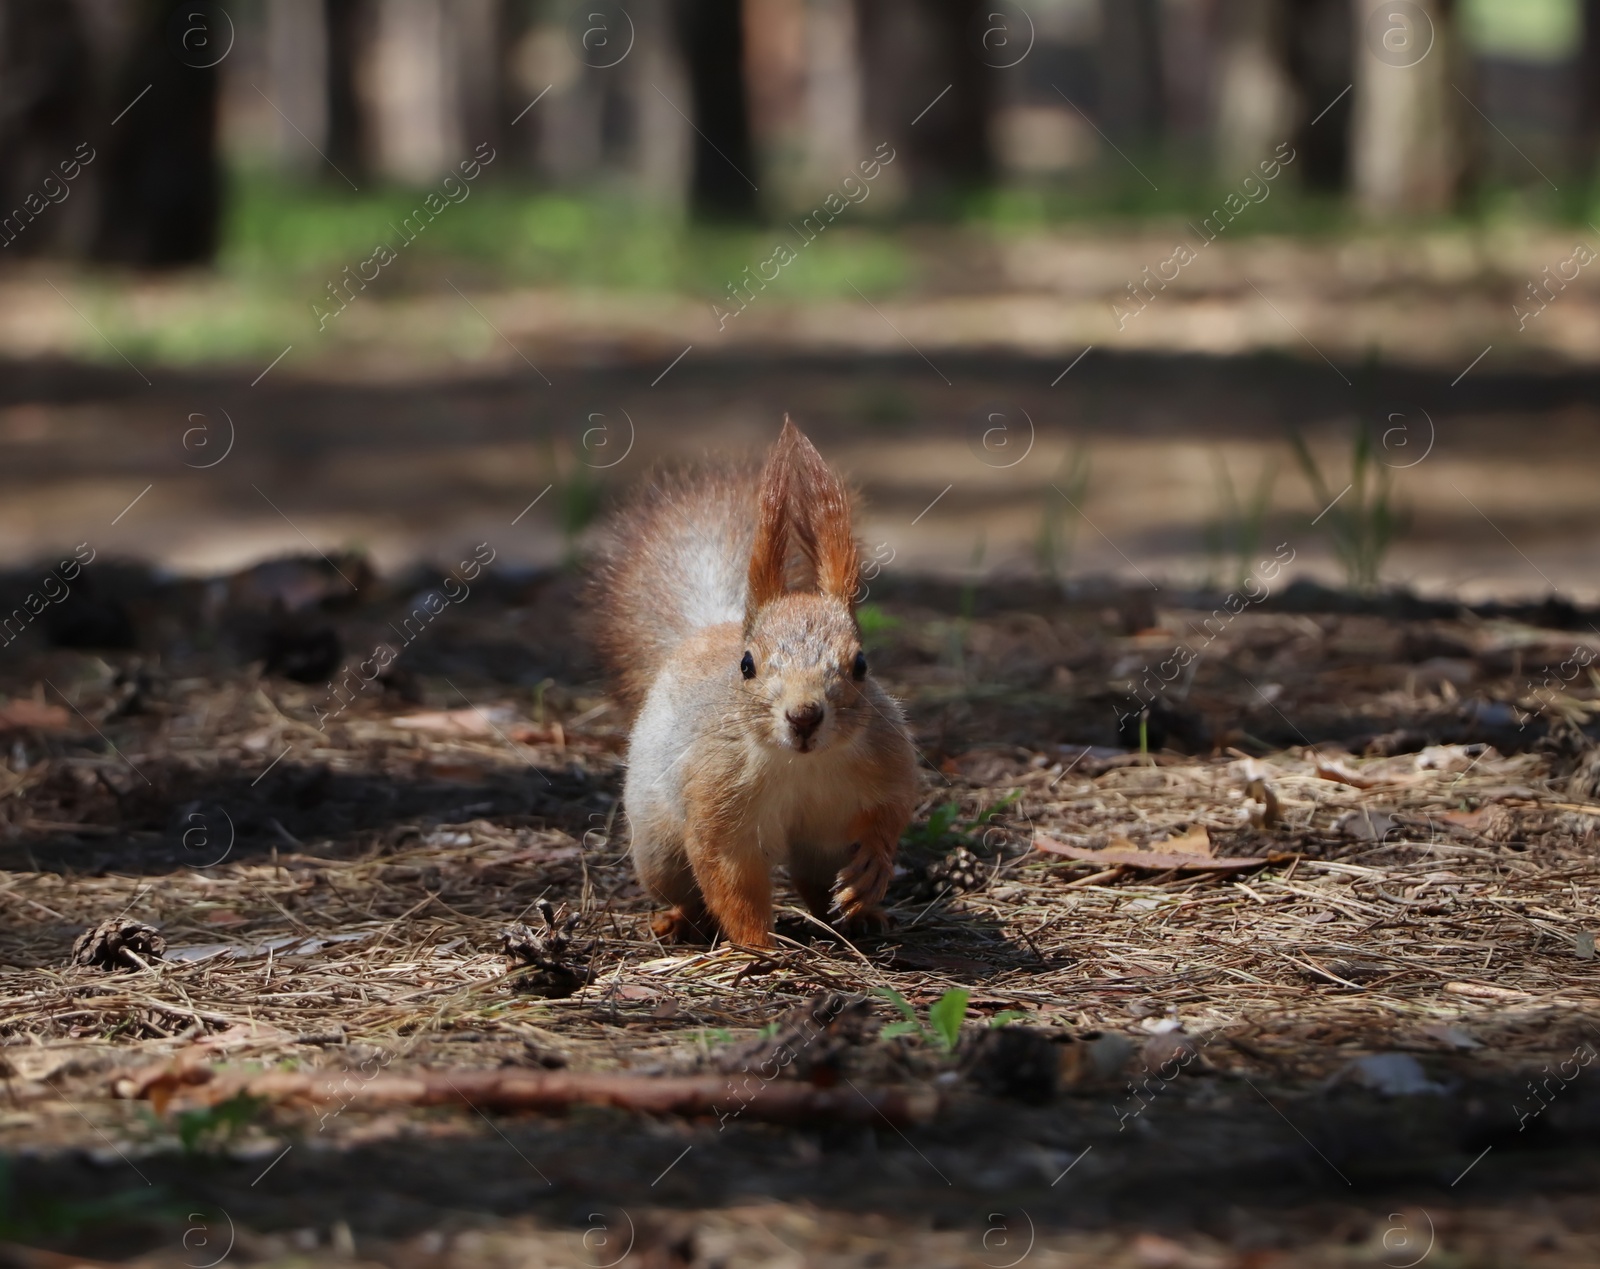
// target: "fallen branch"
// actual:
[[693, 1096]]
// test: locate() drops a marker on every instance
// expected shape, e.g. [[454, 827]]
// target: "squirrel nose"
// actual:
[[805, 719]]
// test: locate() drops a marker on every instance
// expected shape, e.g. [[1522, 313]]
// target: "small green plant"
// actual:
[[875, 625], [539, 690], [211, 1126], [994, 808], [939, 822], [908, 1024], [579, 494], [945, 1016], [942, 823], [1363, 520], [967, 606], [1237, 530], [1058, 526]]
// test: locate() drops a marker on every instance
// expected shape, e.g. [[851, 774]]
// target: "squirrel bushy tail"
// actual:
[[695, 548], [673, 561]]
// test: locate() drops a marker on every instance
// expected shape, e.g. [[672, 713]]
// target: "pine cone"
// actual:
[[959, 870], [118, 944], [1503, 824], [1565, 741], [1583, 785], [544, 953]]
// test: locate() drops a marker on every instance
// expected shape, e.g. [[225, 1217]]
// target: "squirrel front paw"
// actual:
[[863, 882]]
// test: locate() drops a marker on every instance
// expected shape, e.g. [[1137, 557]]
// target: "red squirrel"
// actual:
[[724, 605]]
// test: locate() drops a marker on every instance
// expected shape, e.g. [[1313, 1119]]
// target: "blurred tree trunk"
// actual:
[[722, 180], [349, 139], [44, 86], [297, 79], [804, 76], [161, 184], [928, 93], [1189, 49], [833, 92], [1256, 104], [1588, 78], [479, 31], [412, 89], [1131, 96], [1406, 142], [776, 77], [663, 141], [1322, 65]]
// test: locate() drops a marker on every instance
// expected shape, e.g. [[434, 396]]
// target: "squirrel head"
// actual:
[[803, 672]]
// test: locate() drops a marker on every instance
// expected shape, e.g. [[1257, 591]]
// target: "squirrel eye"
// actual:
[[747, 666], [858, 671]]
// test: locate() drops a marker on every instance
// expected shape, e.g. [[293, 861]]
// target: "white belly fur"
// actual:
[[809, 798]]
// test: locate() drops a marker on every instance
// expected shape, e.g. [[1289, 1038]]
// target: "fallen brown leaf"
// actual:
[[1341, 774], [26, 714], [478, 723], [1124, 853], [1195, 842]]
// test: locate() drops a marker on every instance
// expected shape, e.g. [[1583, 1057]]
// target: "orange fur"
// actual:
[[821, 510], [724, 604], [769, 556]]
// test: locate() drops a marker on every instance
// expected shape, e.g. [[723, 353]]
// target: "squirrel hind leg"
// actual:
[[665, 870], [683, 923]]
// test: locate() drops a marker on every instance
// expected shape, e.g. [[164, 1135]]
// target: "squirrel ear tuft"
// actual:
[[820, 506], [769, 556]]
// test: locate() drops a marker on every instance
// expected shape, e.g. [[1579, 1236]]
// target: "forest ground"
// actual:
[[332, 884], [1367, 1044]]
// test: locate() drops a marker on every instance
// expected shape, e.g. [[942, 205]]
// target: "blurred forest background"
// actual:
[[1436, 194], [264, 116]]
